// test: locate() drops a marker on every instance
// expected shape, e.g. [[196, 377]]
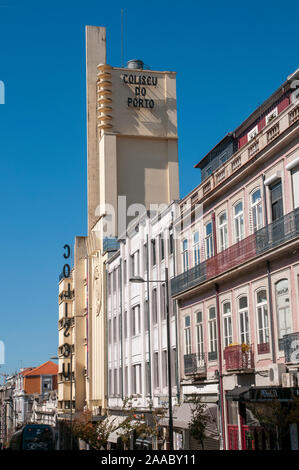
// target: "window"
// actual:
[[295, 184], [145, 257], [256, 210], [146, 319], [199, 335], [262, 317], [156, 370], [147, 378], [196, 248], [109, 283], [173, 367], [136, 320], [125, 325], [120, 381], [251, 134], [185, 255], [164, 369], [162, 253], [243, 320], [163, 301], [135, 264], [212, 328], [222, 221], [170, 241], [227, 324], [125, 271], [110, 382], [272, 115], [114, 280], [276, 200], [115, 384], [109, 331], [187, 334], [239, 222], [153, 245], [136, 379], [114, 329], [209, 240], [126, 391], [284, 318], [154, 306]]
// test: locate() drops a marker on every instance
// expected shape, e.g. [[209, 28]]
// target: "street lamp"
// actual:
[[140, 280]]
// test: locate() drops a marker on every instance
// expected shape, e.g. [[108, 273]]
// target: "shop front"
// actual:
[[262, 418]]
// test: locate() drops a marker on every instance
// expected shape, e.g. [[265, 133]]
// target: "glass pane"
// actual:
[[226, 308], [212, 313], [256, 196], [238, 208], [187, 321], [243, 302], [261, 296]]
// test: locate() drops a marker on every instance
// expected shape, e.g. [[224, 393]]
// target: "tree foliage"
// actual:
[[199, 419], [96, 434]]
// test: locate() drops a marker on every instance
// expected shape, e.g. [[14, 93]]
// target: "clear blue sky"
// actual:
[[229, 56]]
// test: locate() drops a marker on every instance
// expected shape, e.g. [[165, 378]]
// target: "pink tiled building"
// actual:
[[237, 286]]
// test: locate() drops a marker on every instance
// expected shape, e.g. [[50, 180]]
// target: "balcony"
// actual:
[[195, 364], [239, 357], [271, 236], [110, 244], [291, 348]]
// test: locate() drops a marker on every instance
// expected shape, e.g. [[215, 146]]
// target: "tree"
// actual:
[[96, 434], [199, 419]]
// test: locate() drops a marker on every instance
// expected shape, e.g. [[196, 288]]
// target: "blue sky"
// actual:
[[229, 57]]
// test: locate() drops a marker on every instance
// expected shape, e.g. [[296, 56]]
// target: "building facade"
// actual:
[[132, 163], [137, 354], [238, 272]]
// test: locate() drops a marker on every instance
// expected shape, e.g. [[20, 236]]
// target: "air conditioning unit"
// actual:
[[290, 379], [275, 373]]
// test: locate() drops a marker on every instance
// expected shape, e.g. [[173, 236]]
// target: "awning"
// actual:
[[183, 414], [238, 393]]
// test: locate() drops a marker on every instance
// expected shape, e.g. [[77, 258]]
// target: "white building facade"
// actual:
[[137, 345]]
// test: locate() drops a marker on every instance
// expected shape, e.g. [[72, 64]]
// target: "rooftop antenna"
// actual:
[[122, 38]]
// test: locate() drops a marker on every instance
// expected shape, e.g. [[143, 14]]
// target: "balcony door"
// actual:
[[276, 200]]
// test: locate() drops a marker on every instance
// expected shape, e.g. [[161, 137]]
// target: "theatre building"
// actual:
[[132, 163], [238, 276]]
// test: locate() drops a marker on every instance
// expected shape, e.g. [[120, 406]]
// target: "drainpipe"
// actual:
[[214, 233], [148, 319], [221, 403], [176, 319], [271, 312], [265, 200], [121, 328], [106, 340]]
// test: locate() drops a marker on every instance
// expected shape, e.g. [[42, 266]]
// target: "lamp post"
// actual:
[[139, 279]]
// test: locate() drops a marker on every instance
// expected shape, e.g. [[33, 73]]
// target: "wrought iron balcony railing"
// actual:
[[271, 236], [195, 364], [239, 357]]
